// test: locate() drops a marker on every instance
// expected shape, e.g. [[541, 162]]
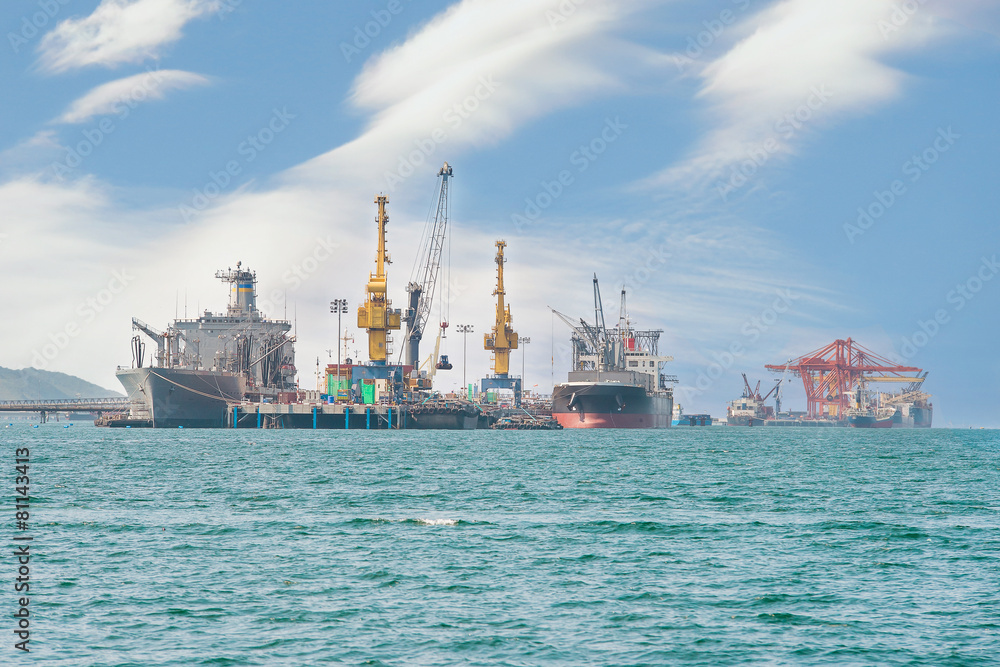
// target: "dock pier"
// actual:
[[316, 416]]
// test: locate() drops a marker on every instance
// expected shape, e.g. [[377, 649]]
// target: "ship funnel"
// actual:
[[243, 293]]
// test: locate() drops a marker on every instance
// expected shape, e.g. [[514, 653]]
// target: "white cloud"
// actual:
[[32, 154], [804, 65], [282, 231], [480, 70], [119, 31], [109, 97]]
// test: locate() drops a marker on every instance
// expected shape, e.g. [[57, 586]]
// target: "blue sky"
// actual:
[[716, 159]]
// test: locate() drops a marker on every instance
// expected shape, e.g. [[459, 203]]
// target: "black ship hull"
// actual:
[[610, 405]]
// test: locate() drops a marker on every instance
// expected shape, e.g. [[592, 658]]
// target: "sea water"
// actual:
[[689, 546]]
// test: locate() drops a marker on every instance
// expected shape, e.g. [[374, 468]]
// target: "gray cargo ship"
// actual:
[[203, 364]]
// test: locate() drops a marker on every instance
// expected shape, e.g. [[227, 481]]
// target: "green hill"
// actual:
[[30, 384]]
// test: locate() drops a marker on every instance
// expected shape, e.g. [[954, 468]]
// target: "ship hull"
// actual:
[[912, 416], [610, 405], [443, 415], [443, 421], [174, 397], [745, 420], [869, 422]]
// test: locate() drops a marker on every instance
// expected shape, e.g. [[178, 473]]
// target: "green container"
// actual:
[[333, 383], [368, 393]]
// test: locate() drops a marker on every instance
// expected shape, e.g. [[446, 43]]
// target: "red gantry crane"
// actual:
[[831, 373]]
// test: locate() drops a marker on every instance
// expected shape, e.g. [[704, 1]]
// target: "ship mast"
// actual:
[[376, 316]]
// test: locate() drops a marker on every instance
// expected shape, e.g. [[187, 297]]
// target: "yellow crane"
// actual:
[[503, 338], [376, 316]]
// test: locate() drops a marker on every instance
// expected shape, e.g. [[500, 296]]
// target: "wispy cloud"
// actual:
[[30, 155], [119, 31], [109, 97], [803, 65], [505, 63], [539, 58]]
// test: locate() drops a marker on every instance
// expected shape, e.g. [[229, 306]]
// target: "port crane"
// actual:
[[421, 290], [436, 361], [755, 392], [376, 315], [777, 393], [502, 338], [166, 343], [832, 373]]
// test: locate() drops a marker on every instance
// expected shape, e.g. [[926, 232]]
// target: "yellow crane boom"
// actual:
[[502, 339], [892, 378], [376, 316]]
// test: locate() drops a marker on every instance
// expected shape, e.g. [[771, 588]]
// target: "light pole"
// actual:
[[338, 306], [524, 340], [465, 330]]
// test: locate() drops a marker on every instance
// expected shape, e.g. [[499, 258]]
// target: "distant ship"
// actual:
[[616, 380], [866, 412], [681, 419], [750, 409], [913, 408], [202, 365]]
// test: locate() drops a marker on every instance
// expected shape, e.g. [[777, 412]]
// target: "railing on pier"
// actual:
[[66, 405]]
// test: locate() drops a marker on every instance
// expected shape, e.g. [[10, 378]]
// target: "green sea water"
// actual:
[[690, 546]]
